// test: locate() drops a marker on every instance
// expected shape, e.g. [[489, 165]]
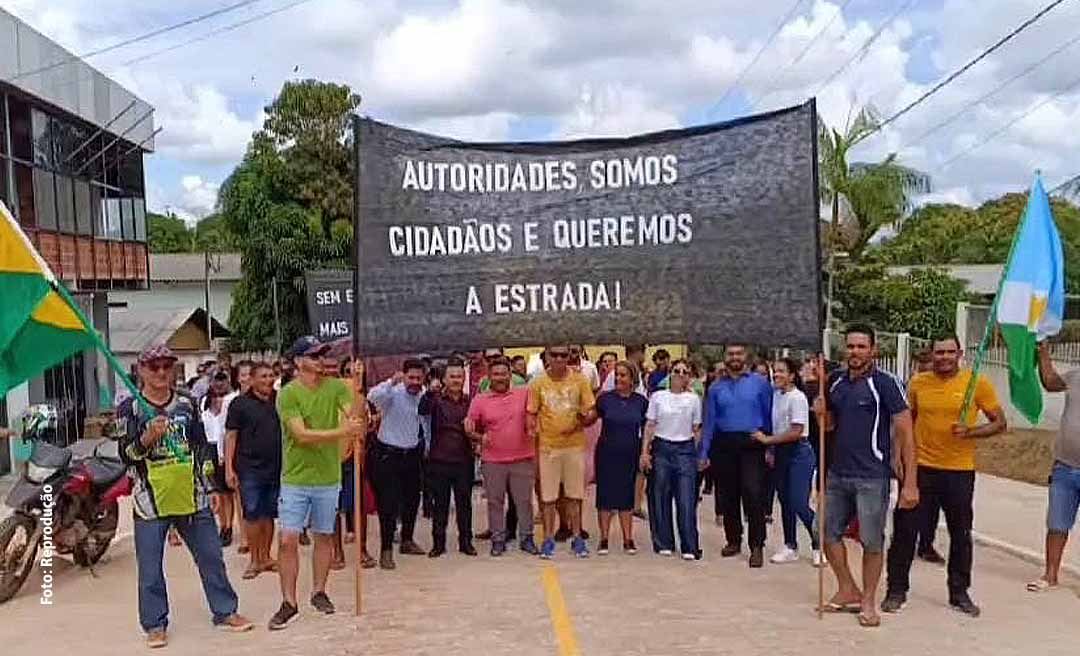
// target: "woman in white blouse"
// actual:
[[672, 433]]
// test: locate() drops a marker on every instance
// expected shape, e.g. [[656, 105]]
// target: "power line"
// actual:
[[963, 69], [137, 39], [1004, 128], [216, 32], [760, 52], [986, 96], [861, 52], [809, 46]]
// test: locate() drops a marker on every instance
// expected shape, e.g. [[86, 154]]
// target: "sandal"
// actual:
[[850, 607], [1040, 585], [868, 622], [269, 566], [251, 572], [367, 562]]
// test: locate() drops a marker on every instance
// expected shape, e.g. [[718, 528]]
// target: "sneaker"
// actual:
[[498, 549], [286, 614], [689, 557], [965, 605], [410, 548], [817, 557], [528, 545], [436, 551], [468, 549], [893, 603], [157, 638], [322, 603], [785, 555], [603, 550], [236, 624], [547, 550], [665, 552], [757, 557], [629, 548], [932, 556], [386, 560], [730, 550], [580, 549], [584, 534]]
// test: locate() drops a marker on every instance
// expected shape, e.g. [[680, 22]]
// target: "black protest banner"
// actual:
[[706, 235], [330, 303]]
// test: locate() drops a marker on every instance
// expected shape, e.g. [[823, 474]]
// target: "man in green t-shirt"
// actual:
[[317, 414]]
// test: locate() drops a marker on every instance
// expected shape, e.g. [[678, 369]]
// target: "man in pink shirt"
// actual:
[[497, 421]]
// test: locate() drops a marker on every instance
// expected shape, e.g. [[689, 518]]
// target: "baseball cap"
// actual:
[[157, 352], [307, 346]]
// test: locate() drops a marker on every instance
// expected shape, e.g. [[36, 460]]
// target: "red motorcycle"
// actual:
[[63, 504]]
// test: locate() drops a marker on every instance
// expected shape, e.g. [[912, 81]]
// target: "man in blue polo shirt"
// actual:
[[739, 404], [871, 422]]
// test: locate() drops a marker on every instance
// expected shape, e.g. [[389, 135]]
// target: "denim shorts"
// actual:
[[1064, 498], [313, 506], [259, 499], [866, 499]]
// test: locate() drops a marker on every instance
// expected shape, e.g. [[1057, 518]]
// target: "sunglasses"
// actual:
[[680, 371], [559, 355], [158, 366]]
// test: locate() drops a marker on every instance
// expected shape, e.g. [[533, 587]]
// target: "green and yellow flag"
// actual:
[[38, 326]]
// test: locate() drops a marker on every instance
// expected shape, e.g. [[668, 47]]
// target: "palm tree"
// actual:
[[865, 197]]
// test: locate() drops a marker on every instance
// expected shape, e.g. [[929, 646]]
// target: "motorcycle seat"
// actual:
[[104, 471]]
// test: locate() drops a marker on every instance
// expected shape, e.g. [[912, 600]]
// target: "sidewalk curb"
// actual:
[[1027, 555]]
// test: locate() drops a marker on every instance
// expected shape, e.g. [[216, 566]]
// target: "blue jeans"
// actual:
[[865, 499], [200, 534], [313, 506], [794, 476], [1064, 498], [675, 479]]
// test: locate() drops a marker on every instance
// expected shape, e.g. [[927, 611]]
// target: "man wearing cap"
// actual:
[[317, 414], [164, 446]]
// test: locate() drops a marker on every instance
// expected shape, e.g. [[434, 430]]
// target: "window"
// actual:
[[140, 219], [43, 139], [24, 192], [128, 214], [65, 204], [21, 134], [113, 225], [45, 199], [100, 210], [131, 171], [84, 218]]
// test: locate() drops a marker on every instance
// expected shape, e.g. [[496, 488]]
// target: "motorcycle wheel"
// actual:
[[90, 550], [12, 551]]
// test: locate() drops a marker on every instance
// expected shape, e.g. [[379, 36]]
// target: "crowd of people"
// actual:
[[277, 443]]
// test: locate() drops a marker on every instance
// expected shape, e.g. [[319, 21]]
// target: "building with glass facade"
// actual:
[[72, 143]]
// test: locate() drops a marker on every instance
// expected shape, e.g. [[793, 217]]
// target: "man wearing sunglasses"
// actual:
[[165, 448], [561, 404]]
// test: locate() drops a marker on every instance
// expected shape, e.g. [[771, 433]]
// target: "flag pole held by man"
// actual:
[[1030, 303]]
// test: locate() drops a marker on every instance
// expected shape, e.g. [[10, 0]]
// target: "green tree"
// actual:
[[922, 302], [290, 200], [952, 234], [863, 197], [167, 234]]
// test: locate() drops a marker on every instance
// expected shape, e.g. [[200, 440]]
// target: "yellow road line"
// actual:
[[560, 617]]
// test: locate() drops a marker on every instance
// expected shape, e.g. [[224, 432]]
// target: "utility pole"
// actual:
[[209, 317]]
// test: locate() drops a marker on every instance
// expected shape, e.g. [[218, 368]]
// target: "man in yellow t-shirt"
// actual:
[[561, 404], [946, 474]]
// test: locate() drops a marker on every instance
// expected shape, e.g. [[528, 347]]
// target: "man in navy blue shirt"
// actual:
[[739, 404], [870, 423]]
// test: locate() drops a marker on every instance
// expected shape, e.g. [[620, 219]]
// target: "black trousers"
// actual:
[[739, 465], [953, 492], [928, 529], [395, 478], [444, 478]]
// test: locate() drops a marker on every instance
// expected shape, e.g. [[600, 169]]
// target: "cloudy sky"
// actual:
[[532, 69]]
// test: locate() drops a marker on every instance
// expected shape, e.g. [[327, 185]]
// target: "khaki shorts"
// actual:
[[564, 467]]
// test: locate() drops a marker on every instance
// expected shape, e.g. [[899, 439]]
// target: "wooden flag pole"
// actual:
[[821, 418], [359, 512]]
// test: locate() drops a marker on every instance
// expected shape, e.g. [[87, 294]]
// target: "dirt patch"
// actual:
[[1020, 454]]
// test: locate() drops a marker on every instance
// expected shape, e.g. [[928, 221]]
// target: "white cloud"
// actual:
[[474, 69]]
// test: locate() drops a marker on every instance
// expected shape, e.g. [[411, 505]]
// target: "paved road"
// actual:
[[616, 605]]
